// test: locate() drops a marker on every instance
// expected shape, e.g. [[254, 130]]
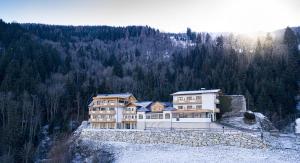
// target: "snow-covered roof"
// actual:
[[196, 92], [91, 103], [121, 95], [143, 109], [167, 104], [144, 103], [169, 109]]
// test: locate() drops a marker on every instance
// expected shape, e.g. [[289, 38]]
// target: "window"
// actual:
[[180, 107], [189, 107], [102, 109], [98, 102], [198, 98], [111, 109], [160, 116], [154, 116], [197, 115], [147, 116], [189, 98], [181, 115], [180, 98], [167, 116], [198, 107]]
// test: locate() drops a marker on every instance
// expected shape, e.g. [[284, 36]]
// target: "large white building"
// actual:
[[201, 104], [190, 109]]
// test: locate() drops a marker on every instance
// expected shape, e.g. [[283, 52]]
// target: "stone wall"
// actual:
[[181, 137]]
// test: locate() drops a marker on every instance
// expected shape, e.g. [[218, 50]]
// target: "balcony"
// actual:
[[187, 102], [217, 110], [129, 112], [106, 105], [102, 120], [129, 120], [103, 112]]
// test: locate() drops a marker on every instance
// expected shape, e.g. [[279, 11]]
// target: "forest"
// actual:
[[49, 73]]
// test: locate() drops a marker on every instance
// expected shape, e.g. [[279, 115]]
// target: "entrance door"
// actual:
[[127, 126]]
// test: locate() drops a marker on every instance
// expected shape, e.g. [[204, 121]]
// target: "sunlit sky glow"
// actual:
[[166, 15]]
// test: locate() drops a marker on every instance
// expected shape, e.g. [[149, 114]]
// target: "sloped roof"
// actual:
[[143, 109], [144, 103], [120, 95], [196, 92], [167, 104], [169, 109]]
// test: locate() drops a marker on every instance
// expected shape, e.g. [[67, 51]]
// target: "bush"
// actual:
[[249, 115]]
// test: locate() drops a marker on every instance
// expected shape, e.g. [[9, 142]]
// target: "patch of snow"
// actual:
[[45, 144], [141, 153], [259, 115], [239, 122], [298, 106], [297, 127]]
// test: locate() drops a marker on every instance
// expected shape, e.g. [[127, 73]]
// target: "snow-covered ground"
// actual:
[[167, 153], [239, 122], [297, 126], [285, 148]]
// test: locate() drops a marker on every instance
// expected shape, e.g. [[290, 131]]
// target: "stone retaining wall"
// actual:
[[181, 137]]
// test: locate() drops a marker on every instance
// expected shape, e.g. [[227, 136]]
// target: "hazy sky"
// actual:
[[166, 15]]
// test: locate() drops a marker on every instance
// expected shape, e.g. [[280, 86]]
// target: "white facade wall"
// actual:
[[144, 123], [119, 115], [187, 120], [208, 101]]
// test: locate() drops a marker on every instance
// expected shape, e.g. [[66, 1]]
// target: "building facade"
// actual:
[[189, 109], [200, 105], [113, 111]]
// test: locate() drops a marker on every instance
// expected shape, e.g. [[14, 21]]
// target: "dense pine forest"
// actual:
[[49, 73]]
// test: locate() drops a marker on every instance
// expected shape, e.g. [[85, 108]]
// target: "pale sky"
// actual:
[[166, 15]]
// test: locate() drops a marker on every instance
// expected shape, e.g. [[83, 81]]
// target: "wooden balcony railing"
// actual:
[[102, 120], [129, 112], [103, 112], [107, 105], [187, 101], [217, 110], [129, 120]]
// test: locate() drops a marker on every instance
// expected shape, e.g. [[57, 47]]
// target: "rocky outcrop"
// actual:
[[236, 105]]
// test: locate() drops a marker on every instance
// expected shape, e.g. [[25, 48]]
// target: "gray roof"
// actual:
[[91, 103], [121, 95], [145, 104], [169, 109], [196, 92], [167, 104], [143, 109]]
